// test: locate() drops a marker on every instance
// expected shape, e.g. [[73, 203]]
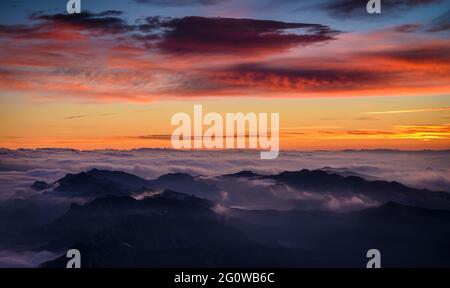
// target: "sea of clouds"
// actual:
[[421, 169]]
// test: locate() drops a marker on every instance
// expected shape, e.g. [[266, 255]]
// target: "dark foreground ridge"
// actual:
[[177, 230], [118, 219]]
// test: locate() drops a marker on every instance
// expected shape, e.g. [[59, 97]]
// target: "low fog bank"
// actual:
[[420, 169]]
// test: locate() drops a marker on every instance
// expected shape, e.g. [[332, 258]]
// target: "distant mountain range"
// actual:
[[96, 183], [309, 219]]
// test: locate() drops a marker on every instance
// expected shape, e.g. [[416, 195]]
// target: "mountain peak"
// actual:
[[305, 173], [243, 173], [172, 195], [176, 175], [97, 182], [40, 185]]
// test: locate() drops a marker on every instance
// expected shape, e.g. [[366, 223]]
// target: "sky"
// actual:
[[113, 76]]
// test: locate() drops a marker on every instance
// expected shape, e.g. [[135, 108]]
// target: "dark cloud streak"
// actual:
[[295, 78], [439, 53], [191, 35], [107, 21], [187, 35]]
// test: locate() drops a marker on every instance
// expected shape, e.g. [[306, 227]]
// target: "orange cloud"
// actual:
[[100, 57], [417, 132]]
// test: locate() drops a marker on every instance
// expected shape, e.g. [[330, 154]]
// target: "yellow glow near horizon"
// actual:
[[306, 124]]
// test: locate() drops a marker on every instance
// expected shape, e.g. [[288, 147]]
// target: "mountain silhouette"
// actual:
[[173, 229], [187, 184], [99, 183], [96, 183], [382, 191], [329, 186], [167, 230], [193, 221], [244, 173], [40, 185]]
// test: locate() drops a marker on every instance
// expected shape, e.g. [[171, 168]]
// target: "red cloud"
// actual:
[[97, 57]]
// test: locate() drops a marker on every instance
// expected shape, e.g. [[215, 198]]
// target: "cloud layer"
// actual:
[[20, 168]]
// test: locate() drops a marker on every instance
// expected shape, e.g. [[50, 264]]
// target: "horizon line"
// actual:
[[227, 150]]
